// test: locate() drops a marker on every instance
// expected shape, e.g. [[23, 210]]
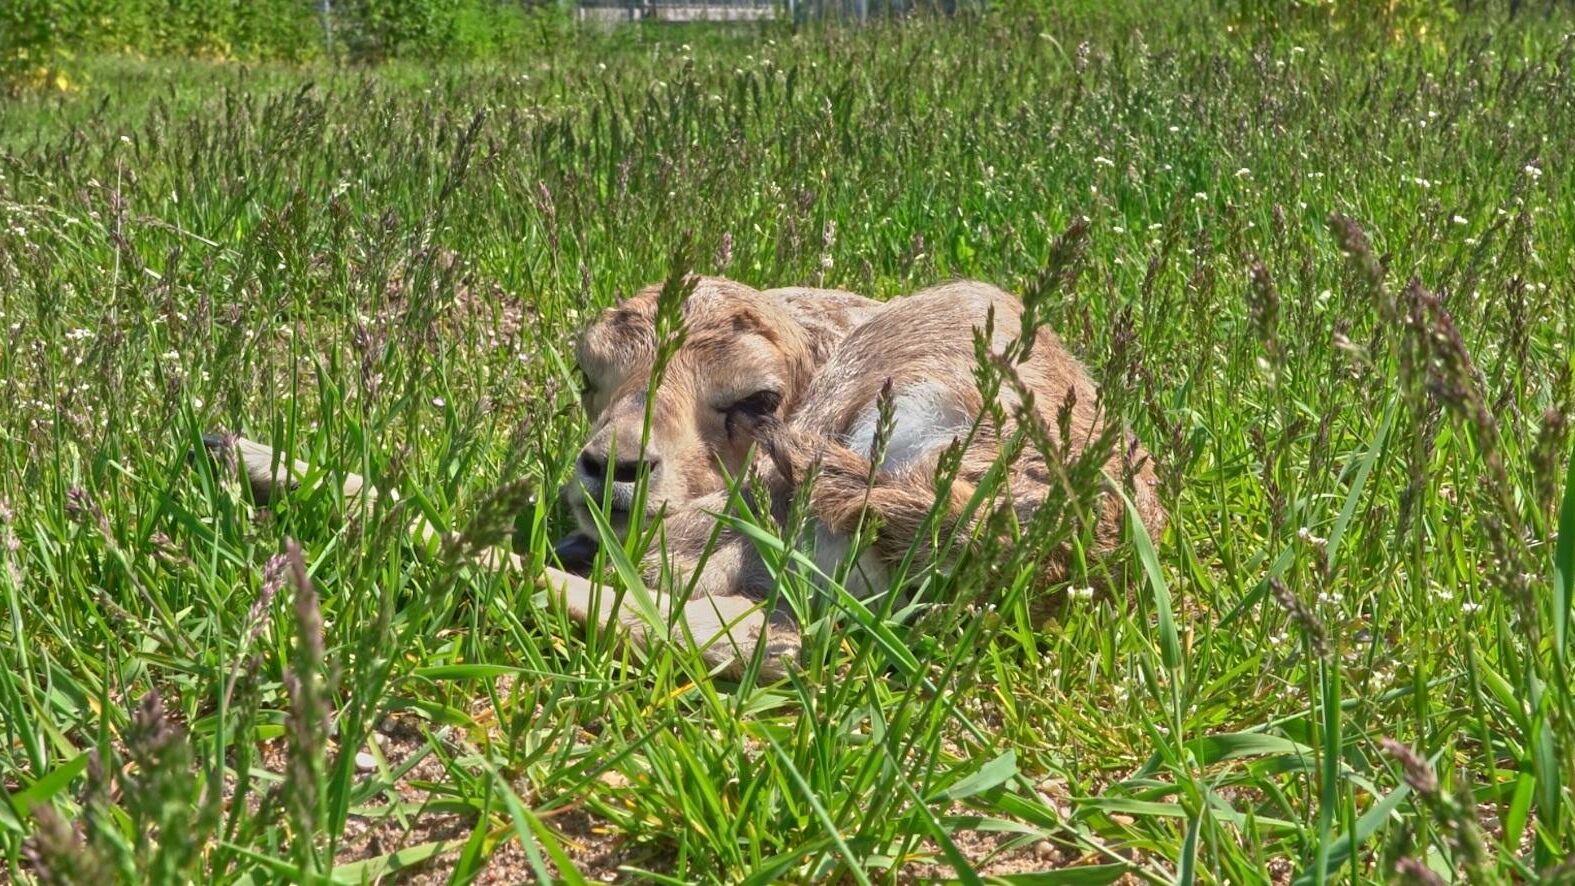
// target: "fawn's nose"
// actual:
[[593, 470]]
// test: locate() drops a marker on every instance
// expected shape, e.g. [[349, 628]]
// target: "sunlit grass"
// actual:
[[380, 271]]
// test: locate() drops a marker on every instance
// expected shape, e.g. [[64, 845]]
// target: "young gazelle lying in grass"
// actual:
[[873, 431], [902, 387], [741, 348]]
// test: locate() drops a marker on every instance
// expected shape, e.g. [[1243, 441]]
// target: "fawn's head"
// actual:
[[743, 356]]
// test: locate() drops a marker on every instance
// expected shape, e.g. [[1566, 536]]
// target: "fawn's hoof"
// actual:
[[576, 552]]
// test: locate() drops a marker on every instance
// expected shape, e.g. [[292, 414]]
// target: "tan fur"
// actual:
[[740, 338], [926, 339], [737, 341]]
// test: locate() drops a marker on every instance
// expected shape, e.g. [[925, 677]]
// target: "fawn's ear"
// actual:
[[771, 434], [822, 337]]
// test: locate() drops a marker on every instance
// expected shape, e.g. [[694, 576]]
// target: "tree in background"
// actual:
[[39, 39]]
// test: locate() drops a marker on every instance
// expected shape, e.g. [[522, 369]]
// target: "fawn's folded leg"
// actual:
[[727, 630], [267, 472]]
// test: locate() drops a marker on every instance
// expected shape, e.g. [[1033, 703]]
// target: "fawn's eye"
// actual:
[[756, 405]]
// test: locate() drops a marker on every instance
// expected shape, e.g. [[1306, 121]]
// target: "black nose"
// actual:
[[594, 466]]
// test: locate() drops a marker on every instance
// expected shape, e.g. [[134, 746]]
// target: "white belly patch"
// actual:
[[865, 577], [926, 416]]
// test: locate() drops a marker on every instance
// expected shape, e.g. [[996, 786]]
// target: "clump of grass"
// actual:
[[1322, 273]]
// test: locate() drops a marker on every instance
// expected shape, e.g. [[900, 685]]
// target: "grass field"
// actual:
[[1327, 276]]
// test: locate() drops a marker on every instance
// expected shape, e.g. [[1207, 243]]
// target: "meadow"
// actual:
[[1324, 270]]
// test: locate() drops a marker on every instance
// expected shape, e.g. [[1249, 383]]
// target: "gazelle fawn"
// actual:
[[797, 386]]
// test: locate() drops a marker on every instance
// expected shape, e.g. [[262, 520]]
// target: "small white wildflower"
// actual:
[[1243, 172], [439, 402], [1470, 606], [1307, 537], [1084, 593], [79, 334], [1201, 195], [1104, 161], [1119, 230], [1460, 220], [1533, 170]]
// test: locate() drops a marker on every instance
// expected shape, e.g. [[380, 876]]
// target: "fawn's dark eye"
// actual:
[[750, 409], [756, 405]]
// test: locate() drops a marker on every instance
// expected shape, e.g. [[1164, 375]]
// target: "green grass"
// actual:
[[382, 272]]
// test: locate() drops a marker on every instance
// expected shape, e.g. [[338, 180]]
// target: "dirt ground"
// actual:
[[597, 848]]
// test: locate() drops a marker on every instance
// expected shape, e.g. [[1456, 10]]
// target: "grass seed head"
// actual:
[[57, 854], [1303, 616], [1263, 308], [1418, 774], [1415, 873]]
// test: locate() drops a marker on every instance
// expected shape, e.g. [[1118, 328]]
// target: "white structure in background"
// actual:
[[748, 10]]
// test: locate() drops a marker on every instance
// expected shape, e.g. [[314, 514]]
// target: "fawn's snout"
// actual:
[[611, 467], [613, 483]]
